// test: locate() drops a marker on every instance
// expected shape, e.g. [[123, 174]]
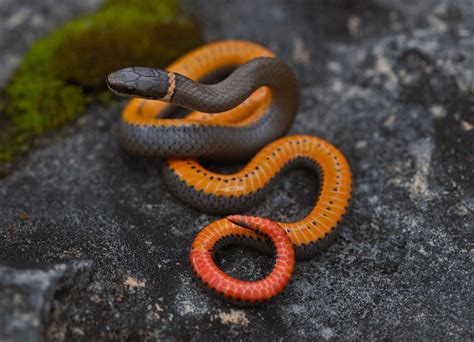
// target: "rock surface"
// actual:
[[34, 299], [389, 83], [23, 22]]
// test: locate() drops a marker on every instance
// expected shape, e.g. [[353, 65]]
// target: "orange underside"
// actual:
[[208, 272], [195, 65], [335, 189]]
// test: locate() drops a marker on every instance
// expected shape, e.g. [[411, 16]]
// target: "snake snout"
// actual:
[[121, 83]]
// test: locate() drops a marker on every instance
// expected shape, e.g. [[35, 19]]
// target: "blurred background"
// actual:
[[92, 245]]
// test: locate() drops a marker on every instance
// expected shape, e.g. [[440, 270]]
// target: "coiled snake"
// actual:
[[253, 108]]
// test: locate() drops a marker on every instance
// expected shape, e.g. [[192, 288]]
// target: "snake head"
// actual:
[[140, 82]]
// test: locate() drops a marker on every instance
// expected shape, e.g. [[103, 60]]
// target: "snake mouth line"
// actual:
[[115, 91], [128, 95]]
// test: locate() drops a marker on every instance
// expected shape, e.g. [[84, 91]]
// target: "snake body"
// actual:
[[253, 106], [192, 138]]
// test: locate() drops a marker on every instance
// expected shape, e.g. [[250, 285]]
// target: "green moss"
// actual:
[[63, 73]]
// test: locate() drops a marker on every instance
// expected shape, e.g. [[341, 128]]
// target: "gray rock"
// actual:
[[390, 84], [33, 300], [22, 22]]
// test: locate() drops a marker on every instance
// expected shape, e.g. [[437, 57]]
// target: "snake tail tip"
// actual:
[[251, 222], [239, 220]]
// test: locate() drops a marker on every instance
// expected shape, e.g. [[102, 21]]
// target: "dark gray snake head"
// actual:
[[141, 82]]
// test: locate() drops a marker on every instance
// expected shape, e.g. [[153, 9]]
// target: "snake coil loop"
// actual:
[[253, 108]]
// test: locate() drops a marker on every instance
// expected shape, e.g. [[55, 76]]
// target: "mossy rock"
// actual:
[[113, 43], [63, 73]]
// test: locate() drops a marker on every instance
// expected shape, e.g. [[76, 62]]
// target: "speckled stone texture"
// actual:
[[21, 22], [390, 83], [32, 297]]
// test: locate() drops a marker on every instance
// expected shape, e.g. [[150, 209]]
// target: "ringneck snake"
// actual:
[[244, 116]]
